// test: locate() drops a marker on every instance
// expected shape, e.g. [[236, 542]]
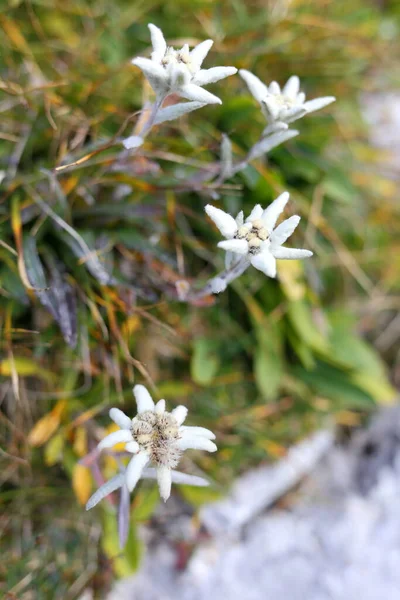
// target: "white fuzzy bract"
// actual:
[[155, 437], [282, 106], [257, 238], [179, 71]]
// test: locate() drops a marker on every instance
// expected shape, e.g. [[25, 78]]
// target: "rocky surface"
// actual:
[[335, 537]]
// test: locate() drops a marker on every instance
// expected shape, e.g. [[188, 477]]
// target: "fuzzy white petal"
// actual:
[[283, 231], [178, 477], [272, 212], [143, 399], [177, 110], [256, 87], [135, 468], [132, 447], [318, 103], [158, 42], [271, 107], [275, 127], [199, 52], [196, 93], [256, 213], [164, 481], [292, 87], [133, 141], [196, 442], [300, 98], [290, 253], [120, 418], [264, 262], [206, 76], [202, 431], [179, 77], [294, 113], [267, 143], [151, 69], [160, 407], [225, 223], [180, 414], [218, 285], [236, 246], [239, 219], [109, 486], [122, 435], [274, 88]]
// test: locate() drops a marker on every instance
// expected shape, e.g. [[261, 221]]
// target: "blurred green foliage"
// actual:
[[90, 254]]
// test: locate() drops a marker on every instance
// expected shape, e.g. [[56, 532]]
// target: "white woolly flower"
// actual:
[[179, 71], [282, 106], [256, 238], [155, 437]]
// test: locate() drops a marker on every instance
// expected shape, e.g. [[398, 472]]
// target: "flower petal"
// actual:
[[225, 223], [176, 110], [196, 442], [132, 447], [177, 477], [196, 93], [265, 262], [294, 113], [237, 246], [318, 103], [291, 87], [160, 407], [199, 52], [122, 435], [120, 418], [199, 431], [300, 98], [290, 253], [143, 399], [256, 213], [283, 231], [206, 76], [257, 88], [151, 70], [164, 481], [180, 414], [135, 468], [271, 141], [133, 141], [274, 88], [271, 107], [239, 218], [272, 212], [158, 42], [107, 488], [179, 76]]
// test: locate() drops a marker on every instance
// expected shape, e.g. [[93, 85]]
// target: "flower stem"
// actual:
[[216, 284]]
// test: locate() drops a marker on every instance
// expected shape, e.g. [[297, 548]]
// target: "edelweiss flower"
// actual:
[[179, 71], [157, 437], [256, 239], [282, 106]]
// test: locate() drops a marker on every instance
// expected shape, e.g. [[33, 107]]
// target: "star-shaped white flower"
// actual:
[[282, 106], [256, 238], [179, 71], [157, 437]]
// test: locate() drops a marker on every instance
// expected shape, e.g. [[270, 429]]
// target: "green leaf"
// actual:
[[301, 320], [197, 496], [205, 362], [329, 382], [268, 360], [125, 561]]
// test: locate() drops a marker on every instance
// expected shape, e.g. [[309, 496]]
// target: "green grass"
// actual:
[[261, 365]]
